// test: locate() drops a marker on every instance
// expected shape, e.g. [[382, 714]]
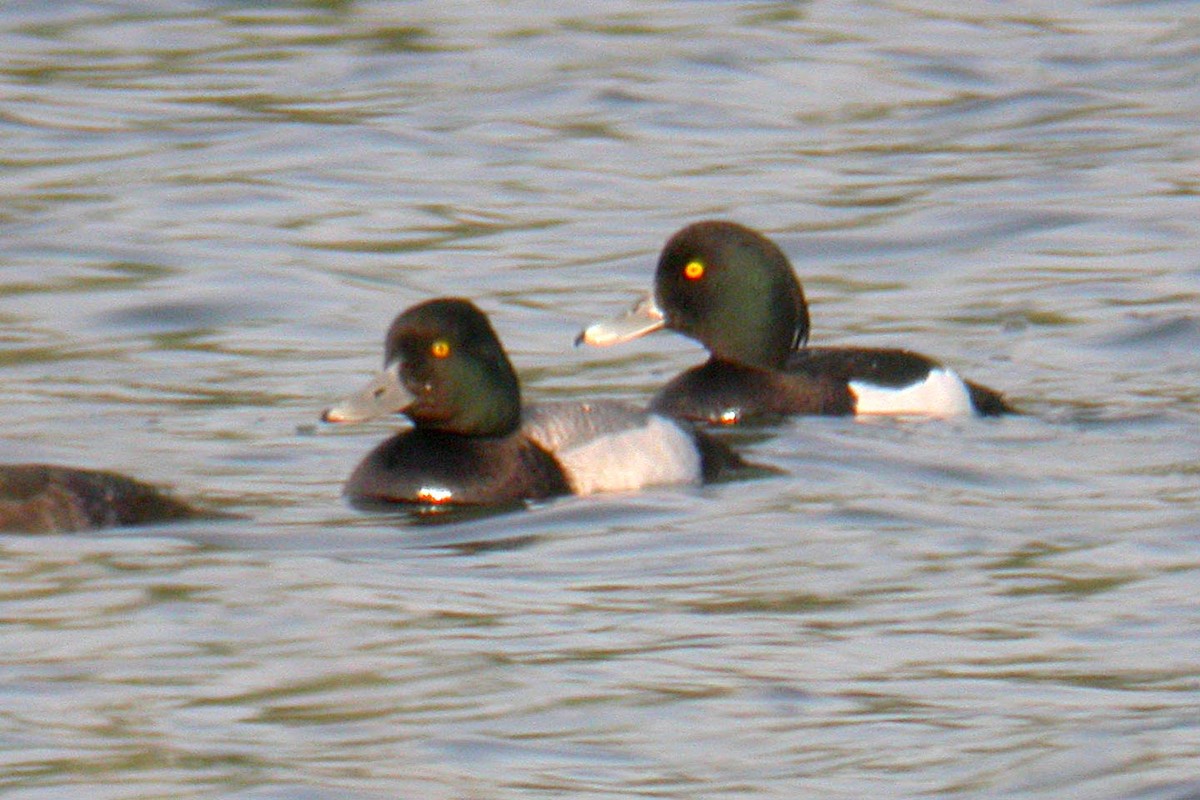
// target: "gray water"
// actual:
[[210, 211]]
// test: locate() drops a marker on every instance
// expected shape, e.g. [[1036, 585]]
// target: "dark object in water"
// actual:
[[43, 498]]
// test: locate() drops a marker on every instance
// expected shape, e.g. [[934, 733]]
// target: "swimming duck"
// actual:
[[472, 443], [44, 498], [733, 290]]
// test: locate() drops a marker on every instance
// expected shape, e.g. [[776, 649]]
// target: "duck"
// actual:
[[50, 498], [473, 443], [732, 289]]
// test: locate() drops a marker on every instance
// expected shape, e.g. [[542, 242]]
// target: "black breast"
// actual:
[[428, 467], [722, 392]]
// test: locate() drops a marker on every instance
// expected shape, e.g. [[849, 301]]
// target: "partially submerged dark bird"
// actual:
[[43, 498]]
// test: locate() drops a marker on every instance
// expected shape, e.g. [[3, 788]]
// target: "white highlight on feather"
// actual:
[[611, 447], [941, 394], [434, 494]]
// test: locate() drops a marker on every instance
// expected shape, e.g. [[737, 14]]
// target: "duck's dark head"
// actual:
[[444, 369], [725, 285]]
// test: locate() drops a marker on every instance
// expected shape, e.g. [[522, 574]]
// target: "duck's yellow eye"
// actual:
[[694, 270], [440, 348]]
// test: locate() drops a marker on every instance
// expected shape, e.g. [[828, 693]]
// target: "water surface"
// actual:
[[210, 211]]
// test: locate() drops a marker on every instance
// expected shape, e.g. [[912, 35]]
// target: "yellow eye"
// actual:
[[440, 348], [694, 270]]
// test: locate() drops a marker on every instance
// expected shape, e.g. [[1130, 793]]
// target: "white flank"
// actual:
[[610, 447], [941, 394]]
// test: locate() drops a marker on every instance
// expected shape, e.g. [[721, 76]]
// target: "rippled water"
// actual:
[[209, 212]]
